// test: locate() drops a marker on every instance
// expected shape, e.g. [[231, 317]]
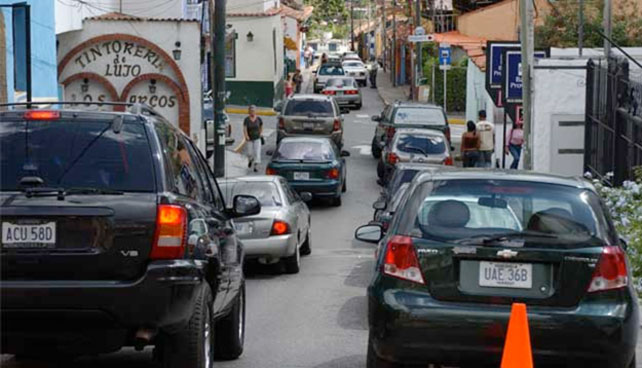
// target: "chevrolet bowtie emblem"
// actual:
[[506, 253]]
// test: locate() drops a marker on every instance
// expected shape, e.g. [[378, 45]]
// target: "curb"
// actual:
[[456, 121], [261, 112]]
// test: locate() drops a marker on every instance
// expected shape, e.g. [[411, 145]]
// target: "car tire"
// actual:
[[193, 346], [306, 248], [373, 360], [632, 364], [336, 202], [358, 106], [381, 170], [376, 151], [344, 187], [230, 331], [293, 263]]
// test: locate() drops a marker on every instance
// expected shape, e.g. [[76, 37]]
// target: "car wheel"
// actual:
[[632, 365], [193, 346], [373, 361], [293, 262], [376, 151], [230, 331], [381, 170], [306, 248], [336, 202], [359, 105], [344, 188]]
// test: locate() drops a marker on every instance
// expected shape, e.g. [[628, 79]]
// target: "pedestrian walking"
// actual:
[[289, 87], [324, 58], [297, 78], [514, 143], [486, 132], [306, 57], [253, 132], [470, 145]]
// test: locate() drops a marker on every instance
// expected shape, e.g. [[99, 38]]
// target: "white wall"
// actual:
[[556, 93], [255, 60], [251, 6]]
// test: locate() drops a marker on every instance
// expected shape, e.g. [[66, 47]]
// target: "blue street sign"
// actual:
[[496, 50], [444, 56], [512, 87]]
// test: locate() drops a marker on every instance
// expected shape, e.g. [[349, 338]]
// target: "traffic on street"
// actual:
[[321, 202]]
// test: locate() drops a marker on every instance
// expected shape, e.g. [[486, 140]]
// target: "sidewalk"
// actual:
[[235, 164], [390, 94]]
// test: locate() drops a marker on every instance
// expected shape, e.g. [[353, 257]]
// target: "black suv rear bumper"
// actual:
[[35, 311]]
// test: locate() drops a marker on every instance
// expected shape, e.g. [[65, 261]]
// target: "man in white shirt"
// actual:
[[486, 132]]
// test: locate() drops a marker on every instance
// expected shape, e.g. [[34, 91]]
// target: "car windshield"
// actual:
[[266, 192], [331, 70], [353, 64], [340, 82], [456, 210], [400, 177], [304, 151], [418, 144], [419, 116], [76, 154]]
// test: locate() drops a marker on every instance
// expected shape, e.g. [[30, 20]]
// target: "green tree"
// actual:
[[560, 28], [328, 16]]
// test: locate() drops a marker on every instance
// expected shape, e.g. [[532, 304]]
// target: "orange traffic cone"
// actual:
[[517, 348]]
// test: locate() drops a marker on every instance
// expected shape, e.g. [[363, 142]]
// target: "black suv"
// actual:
[[114, 234], [407, 115]]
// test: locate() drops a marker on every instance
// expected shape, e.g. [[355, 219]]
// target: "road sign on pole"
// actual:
[[512, 75], [421, 38], [444, 64]]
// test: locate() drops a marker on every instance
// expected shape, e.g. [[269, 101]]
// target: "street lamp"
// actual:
[[152, 86], [250, 36], [85, 85], [177, 51]]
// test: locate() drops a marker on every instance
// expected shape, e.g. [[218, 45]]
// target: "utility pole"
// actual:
[[434, 16], [607, 29], [217, 30], [384, 34], [527, 36], [120, 6], [419, 72], [394, 44], [352, 25], [580, 31]]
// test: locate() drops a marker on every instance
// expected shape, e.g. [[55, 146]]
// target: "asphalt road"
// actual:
[[317, 318]]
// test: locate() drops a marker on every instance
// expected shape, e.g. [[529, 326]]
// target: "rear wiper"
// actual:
[[44, 191], [80, 190], [485, 239], [417, 149]]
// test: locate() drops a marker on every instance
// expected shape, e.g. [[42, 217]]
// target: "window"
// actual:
[[306, 107], [308, 151], [266, 192], [230, 58], [84, 153], [331, 70], [417, 115], [424, 144]]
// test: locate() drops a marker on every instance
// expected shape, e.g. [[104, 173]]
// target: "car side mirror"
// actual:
[[245, 205], [369, 233], [376, 118], [623, 243], [345, 154], [379, 205], [305, 196]]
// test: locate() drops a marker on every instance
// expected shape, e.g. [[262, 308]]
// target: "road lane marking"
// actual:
[[364, 150]]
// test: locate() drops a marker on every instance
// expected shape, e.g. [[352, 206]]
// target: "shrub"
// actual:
[[456, 84]]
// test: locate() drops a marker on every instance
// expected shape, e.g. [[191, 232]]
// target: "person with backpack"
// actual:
[[514, 143]]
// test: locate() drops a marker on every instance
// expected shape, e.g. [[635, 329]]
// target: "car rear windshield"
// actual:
[[72, 154], [462, 210], [419, 116], [309, 108], [421, 144], [340, 82], [304, 151], [331, 70], [266, 192]]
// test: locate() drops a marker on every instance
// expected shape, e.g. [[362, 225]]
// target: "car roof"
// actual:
[[413, 166], [416, 105], [306, 140], [445, 173], [417, 131], [253, 179]]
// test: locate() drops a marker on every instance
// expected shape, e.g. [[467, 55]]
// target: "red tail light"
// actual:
[[171, 225], [270, 171], [333, 173], [351, 92], [448, 161], [280, 228], [401, 260], [281, 123], [393, 158], [329, 93], [42, 115], [337, 125], [610, 272], [447, 134]]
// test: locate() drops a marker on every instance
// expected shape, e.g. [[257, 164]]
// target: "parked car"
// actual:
[[114, 234], [314, 165], [345, 91], [311, 115], [325, 72], [357, 70], [466, 245], [384, 214], [282, 231], [350, 55], [402, 174], [423, 146], [407, 115]]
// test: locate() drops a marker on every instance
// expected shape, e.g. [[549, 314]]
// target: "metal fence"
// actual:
[[613, 135]]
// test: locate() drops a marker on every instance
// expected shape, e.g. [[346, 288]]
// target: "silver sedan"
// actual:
[[345, 91], [281, 231]]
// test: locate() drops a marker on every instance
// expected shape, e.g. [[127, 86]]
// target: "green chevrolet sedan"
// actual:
[[310, 164], [464, 245]]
